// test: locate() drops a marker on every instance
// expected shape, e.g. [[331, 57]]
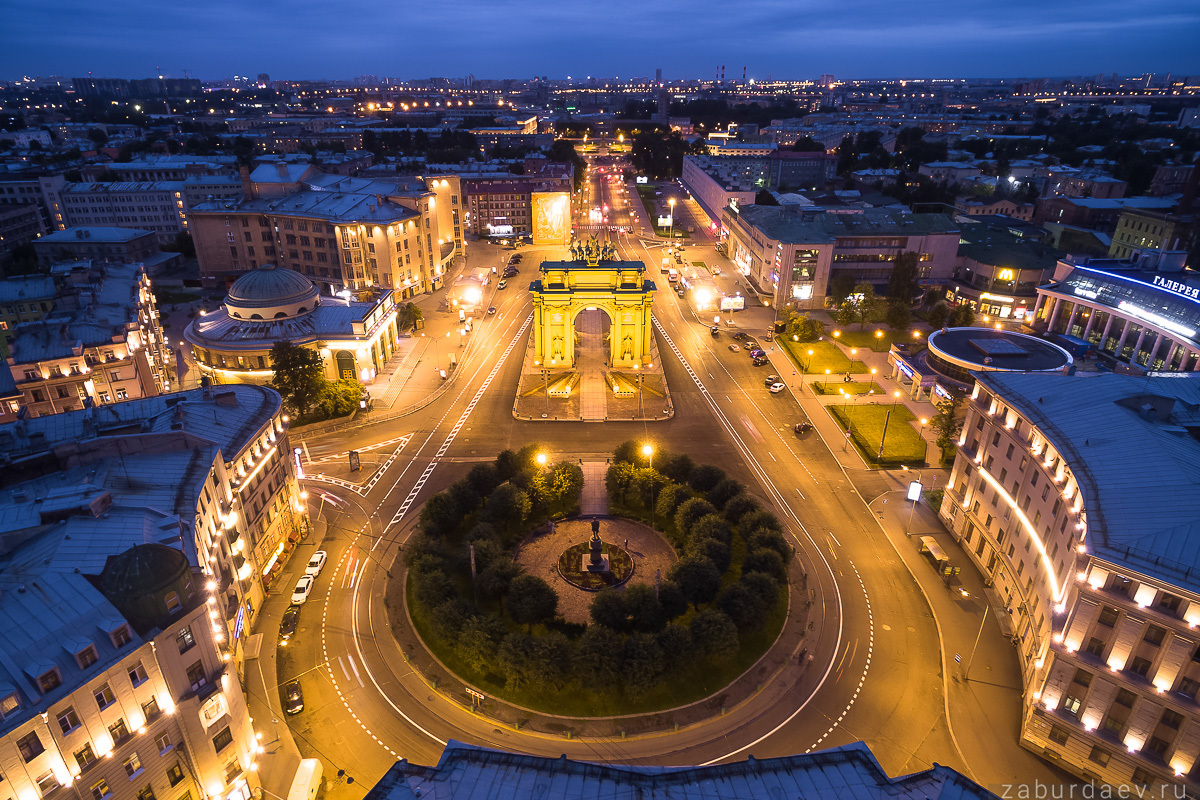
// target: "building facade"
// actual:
[[23, 300], [1137, 316], [1073, 498], [127, 245], [793, 255]]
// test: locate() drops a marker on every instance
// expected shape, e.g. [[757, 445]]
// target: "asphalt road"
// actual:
[[878, 672]]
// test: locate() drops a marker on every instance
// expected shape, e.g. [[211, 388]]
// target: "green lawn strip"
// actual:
[[853, 387], [690, 684], [868, 338], [904, 444], [826, 356]]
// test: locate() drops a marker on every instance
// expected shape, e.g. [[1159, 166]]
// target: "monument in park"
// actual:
[[596, 561]]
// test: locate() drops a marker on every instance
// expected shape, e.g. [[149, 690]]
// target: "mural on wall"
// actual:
[[551, 217]]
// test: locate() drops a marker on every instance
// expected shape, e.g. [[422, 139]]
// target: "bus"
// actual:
[[307, 782]]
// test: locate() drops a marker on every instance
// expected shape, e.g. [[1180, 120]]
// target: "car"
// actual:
[[733, 348], [739, 336], [509, 272], [803, 427], [491, 310], [759, 361], [503, 284], [776, 388], [316, 563], [715, 331], [287, 626], [755, 352], [771, 379], [303, 589], [751, 342], [293, 698]]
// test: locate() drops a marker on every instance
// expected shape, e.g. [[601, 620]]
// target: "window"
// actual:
[[1139, 665], [1168, 604], [133, 766], [104, 697], [232, 770], [1108, 616], [1059, 735], [185, 640], [1120, 584], [1071, 704], [68, 720], [100, 790], [146, 793], [1171, 719], [9, 704], [137, 674], [1188, 687], [222, 740], [1095, 647], [47, 783], [150, 708], [1100, 755], [1113, 725], [30, 746], [196, 676], [121, 637], [1156, 747], [118, 731], [84, 756], [163, 743], [1155, 635], [86, 657], [1142, 777], [1083, 678], [49, 681], [175, 774]]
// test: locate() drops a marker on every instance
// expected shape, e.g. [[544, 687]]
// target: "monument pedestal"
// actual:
[[588, 566]]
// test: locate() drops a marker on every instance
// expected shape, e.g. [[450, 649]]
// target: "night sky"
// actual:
[[520, 38]]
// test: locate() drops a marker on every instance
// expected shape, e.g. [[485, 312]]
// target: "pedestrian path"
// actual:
[[594, 497], [593, 399]]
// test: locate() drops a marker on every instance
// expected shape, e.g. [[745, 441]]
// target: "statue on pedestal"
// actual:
[[597, 561]]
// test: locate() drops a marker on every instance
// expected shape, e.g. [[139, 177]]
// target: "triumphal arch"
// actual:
[[592, 279]]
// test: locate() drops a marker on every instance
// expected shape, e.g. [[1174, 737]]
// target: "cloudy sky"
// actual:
[[519, 38]]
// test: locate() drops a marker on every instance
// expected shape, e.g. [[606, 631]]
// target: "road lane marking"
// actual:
[[773, 458], [354, 667], [802, 497], [835, 541]]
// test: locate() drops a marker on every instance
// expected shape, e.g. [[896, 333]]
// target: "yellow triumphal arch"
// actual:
[[593, 279]]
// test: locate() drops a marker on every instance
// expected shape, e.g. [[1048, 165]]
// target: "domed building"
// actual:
[[271, 304]]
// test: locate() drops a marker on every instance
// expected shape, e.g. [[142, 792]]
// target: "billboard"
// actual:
[[551, 217], [736, 303], [642, 179]]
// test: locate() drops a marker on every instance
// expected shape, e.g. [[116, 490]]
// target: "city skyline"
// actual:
[[770, 39]]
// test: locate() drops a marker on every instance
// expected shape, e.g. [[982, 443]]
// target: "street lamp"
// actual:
[[648, 452], [671, 203], [541, 459], [887, 418], [826, 388]]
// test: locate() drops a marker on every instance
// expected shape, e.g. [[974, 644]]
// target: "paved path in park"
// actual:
[[594, 498]]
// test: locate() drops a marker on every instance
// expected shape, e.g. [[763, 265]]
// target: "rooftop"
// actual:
[[95, 234], [16, 290], [1131, 442], [998, 246], [994, 349], [790, 227], [467, 772]]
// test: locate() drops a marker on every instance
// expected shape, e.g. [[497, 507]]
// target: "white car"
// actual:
[[304, 588], [315, 564], [775, 388]]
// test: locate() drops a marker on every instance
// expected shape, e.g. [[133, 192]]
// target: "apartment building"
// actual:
[[100, 243], [19, 224], [340, 232], [502, 204], [23, 299], [1073, 496], [792, 254], [103, 346]]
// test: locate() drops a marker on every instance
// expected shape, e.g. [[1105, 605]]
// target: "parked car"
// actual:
[[739, 335], [715, 331], [733, 348], [803, 427], [293, 698], [751, 343], [491, 310], [316, 563], [303, 589], [503, 284], [759, 361], [756, 352], [776, 388], [770, 379], [287, 627]]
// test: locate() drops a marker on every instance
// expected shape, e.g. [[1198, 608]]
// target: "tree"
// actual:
[[712, 526], [496, 578], [479, 640], [963, 316], [904, 282], [725, 490], [739, 507], [765, 538], [840, 287], [671, 598], [506, 508], [760, 519], [698, 579], [767, 561], [98, 137], [899, 314], [705, 477], [670, 497], [644, 609], [947, 424], [408, 315], [860, 306], [677, 467], [566, 482], [742, 606], [299, 376], [642, 663], [608, 609], [804, 328], [675, 643], [938, 315], [706, 547], [765, 198], [714, 635], [689, 513], [598, 657]]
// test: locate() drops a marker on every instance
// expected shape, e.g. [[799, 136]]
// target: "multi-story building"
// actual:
[[127, 245], [1141, 230], [19, 224], [951, 172], [999, 270], [165, 168], [23, 299], [1089, 184], [793, 255], [1073, 496], [105, 346], [716, 180], [1089, 212], [129, 588], [502, 205], [340, 232], [980, 207], [1137, 315]]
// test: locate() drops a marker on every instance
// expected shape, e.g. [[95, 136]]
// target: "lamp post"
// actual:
[[648, 452], [671, 203], [967, 672], [921, 433], [825, 389], [887, 418]]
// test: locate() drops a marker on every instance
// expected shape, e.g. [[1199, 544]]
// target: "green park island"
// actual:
[[613, 638]]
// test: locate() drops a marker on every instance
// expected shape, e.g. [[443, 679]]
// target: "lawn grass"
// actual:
[[868, 339], [904, 444], [647, 195], [826, 356], [840, 386]]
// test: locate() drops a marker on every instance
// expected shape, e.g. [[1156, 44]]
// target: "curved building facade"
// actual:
[[270, 304]]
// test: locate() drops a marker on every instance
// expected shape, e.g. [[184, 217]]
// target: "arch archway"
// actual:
[[345, 365]]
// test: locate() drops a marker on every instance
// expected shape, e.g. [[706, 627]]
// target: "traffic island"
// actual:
[[648, 657]]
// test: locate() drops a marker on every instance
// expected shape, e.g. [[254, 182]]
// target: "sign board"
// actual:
[[664, 222], [475, 694], [355, 462], [641, 179], [239, 623], [914, 491], [957, 658], [736, 303]]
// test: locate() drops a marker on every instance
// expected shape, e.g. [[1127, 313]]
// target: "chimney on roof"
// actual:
[[281, 168], [247, 186]]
